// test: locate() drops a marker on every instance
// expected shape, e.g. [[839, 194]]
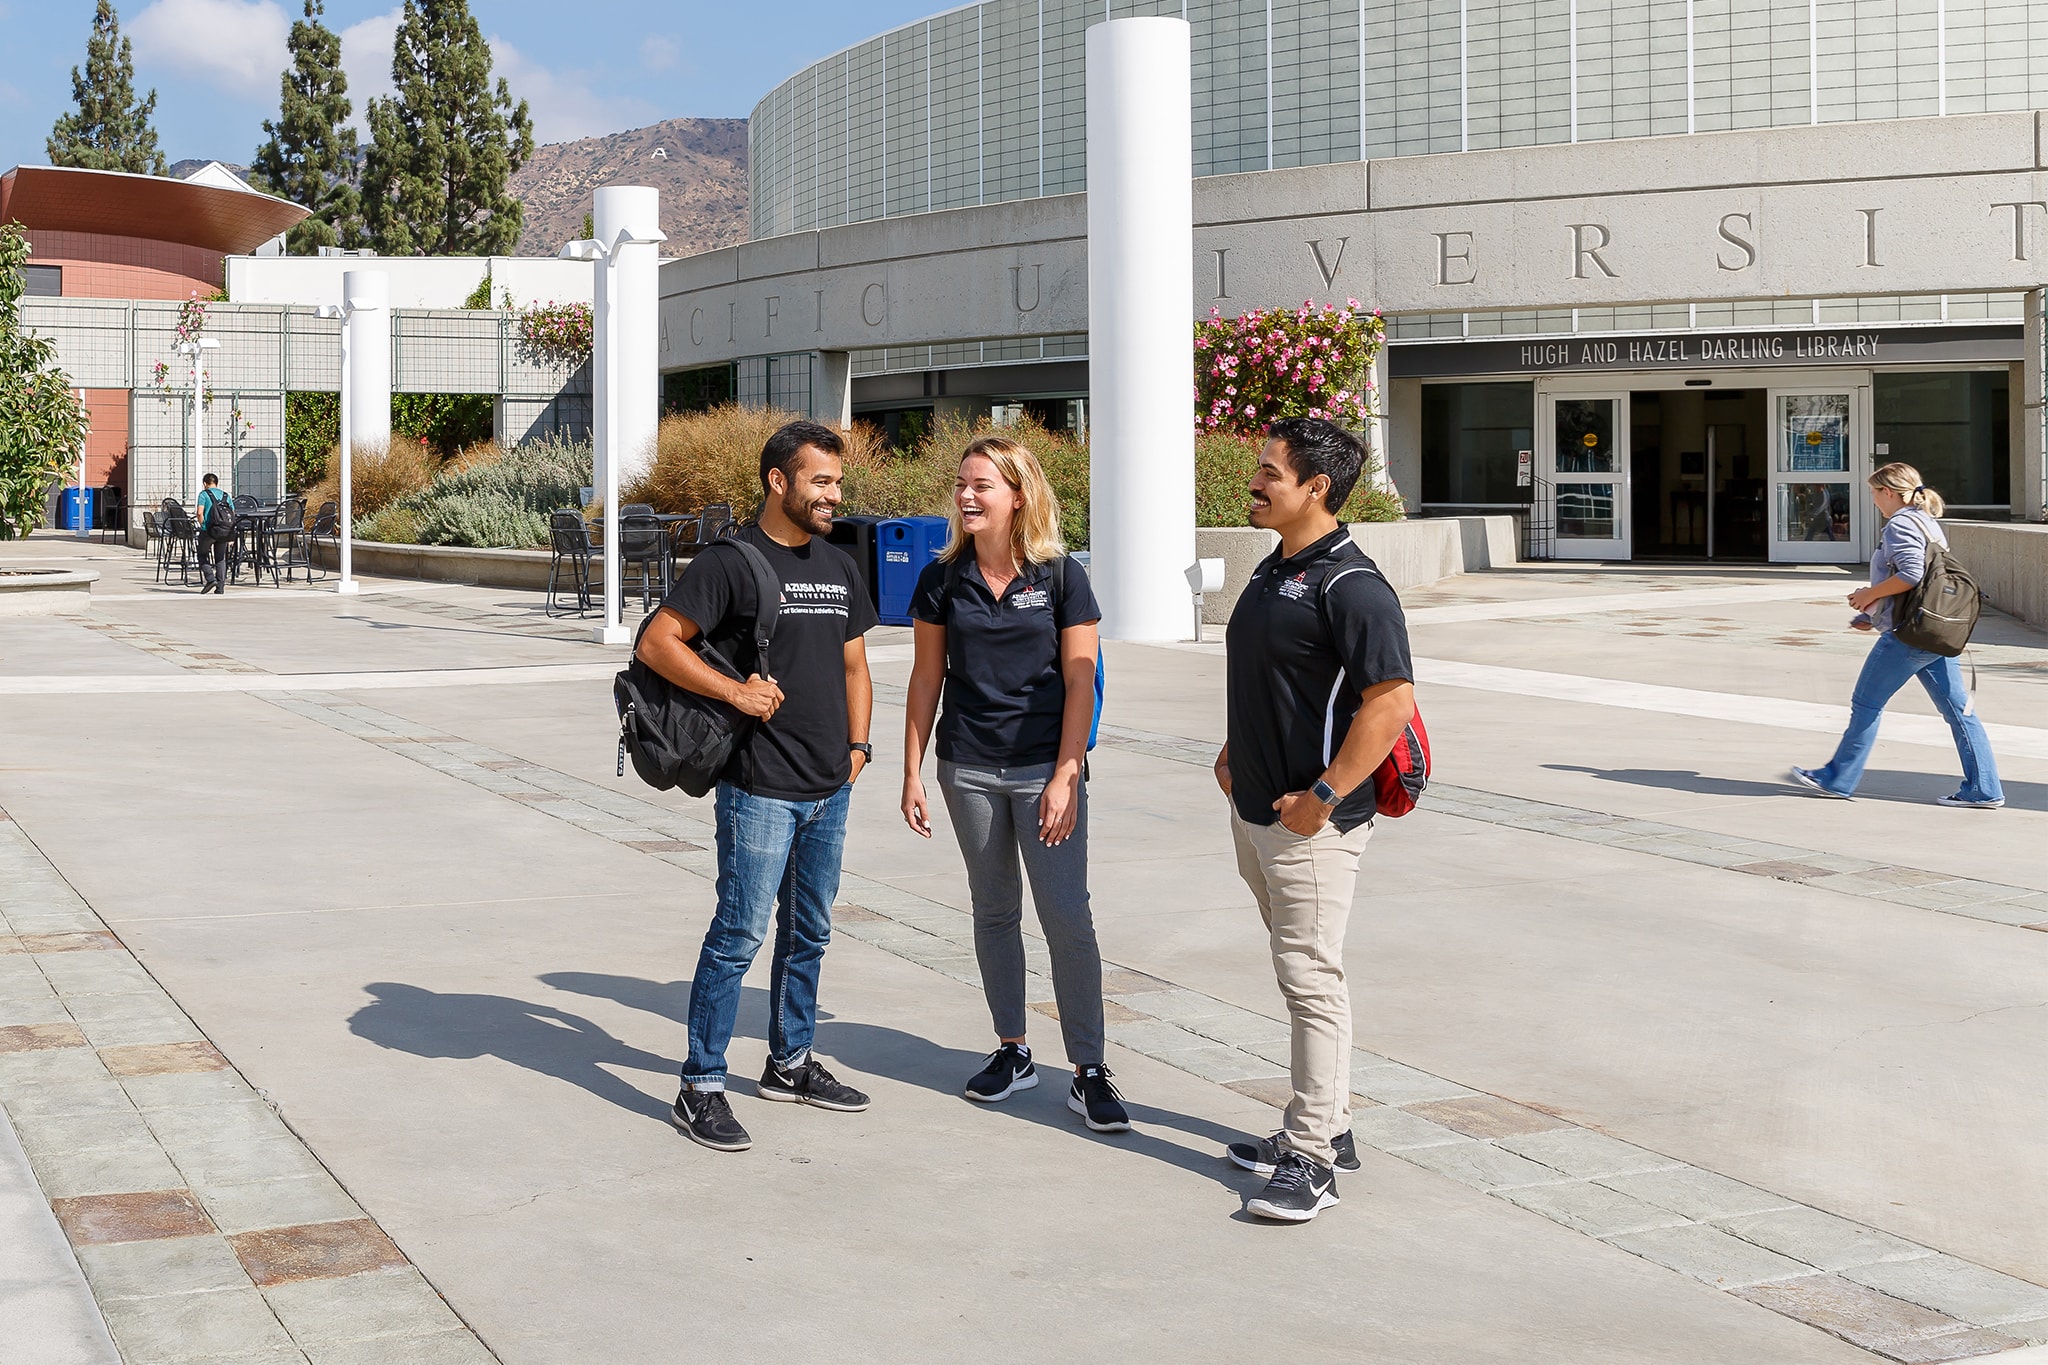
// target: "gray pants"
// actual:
[[995, 816]]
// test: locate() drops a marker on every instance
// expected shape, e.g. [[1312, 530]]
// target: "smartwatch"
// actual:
[[863, 748], [1325, 793]]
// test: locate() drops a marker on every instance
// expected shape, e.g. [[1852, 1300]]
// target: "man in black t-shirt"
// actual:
[[1320, 686], [781, 805]]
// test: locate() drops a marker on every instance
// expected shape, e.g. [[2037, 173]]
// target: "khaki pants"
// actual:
[[1304, 887]]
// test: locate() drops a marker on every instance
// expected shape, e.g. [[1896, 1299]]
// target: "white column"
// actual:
[[1141, 366], [367, 294], [636, 320]]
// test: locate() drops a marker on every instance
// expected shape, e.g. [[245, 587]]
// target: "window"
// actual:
[[43, 281], [1471, 437], [1955, 428]]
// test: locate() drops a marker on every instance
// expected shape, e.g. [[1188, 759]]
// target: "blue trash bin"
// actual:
[[903, 546], [68, 505]]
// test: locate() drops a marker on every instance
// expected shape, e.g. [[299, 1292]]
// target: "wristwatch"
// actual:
[[863, 748], [1325, 793]]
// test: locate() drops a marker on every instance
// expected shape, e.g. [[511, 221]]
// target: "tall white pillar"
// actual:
[[1141, 367], [367, 294], [2030, 491], [635, 279]]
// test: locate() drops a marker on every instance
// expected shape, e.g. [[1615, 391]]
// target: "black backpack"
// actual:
[[680, 738], [1939, 612], [220, 516]]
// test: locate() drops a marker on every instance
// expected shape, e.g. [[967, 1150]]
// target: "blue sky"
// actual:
[[584, 67]]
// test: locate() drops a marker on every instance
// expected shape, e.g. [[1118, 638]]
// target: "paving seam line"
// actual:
[[1896, 1298], [196, 1211]]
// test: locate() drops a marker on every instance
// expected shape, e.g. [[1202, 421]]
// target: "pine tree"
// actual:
[[310, 157], [110, 130], [445, 145]]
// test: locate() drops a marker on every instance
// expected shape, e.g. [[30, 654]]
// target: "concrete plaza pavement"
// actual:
[[1660, 1061]]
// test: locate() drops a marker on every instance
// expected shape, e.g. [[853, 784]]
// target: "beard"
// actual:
[[812, 514]]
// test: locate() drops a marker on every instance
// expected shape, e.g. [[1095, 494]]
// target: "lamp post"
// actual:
[[608, 446], [195, 351], [78, 507], [363, 292]]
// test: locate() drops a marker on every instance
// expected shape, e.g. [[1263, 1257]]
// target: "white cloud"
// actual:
[[237, 44], [366, 60], [658, 53], [566, 104]]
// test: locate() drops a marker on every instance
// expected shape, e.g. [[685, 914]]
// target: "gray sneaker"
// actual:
[[1262, 1156], [1299, 1190], [1968, 803], [705, 1117]]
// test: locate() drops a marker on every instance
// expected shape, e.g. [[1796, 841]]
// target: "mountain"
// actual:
[[181, 170], [698, 164]]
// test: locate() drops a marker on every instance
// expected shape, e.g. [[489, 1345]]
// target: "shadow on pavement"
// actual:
[[906, 1057], [1879, 784]]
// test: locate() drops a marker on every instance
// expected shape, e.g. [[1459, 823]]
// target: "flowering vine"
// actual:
[[554, 333], [191, 326], [1304, 362]]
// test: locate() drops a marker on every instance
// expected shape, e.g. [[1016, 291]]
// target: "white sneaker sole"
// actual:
[[682, 1126], [1025, 1082], [1074, 1103], [1954, 804], [1259, 1208], [792, 1097], [1807, 783]]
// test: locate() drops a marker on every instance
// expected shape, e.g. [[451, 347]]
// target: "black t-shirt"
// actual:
[[1005, 696], [1296, 671], [802, 754]]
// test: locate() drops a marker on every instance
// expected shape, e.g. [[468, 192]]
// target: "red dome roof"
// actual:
[[66, 199]]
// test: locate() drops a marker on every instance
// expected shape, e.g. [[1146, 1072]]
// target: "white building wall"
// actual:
[[416, 281]]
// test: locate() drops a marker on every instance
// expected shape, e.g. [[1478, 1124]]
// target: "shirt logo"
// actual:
[[1029, 598], [814, 599], [1295, 588]]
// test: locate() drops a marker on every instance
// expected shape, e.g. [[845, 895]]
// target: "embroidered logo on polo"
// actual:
[[1295, 588], [814, 599], [1030, 597]]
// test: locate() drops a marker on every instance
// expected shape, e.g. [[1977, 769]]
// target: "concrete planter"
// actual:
[[444, 564], [1410, 553], [46, 592], [2009, 560]]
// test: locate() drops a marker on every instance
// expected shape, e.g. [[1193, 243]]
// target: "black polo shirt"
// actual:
[[1296, 671], [1005, 696]]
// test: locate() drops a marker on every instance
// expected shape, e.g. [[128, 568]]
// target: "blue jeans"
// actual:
[[1889, 667], [772, 855]]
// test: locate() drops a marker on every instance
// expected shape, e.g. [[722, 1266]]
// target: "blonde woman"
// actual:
[[1909, 508], [1005, 626]]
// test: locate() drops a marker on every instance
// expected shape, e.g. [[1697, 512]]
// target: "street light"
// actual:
[[613, 631], [342, 312], [194, 351]]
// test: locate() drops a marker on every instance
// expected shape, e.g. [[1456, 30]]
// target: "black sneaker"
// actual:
[[810, 1083], [1262, 1156], [1096, 1101], [1009, 1069], [704, 1116], [1299, 1190]]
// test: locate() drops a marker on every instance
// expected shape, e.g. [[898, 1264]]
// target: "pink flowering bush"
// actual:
[[1304, 362], [554, 333]]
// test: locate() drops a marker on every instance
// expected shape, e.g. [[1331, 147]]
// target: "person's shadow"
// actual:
[[1879, 784], [914, 1060]]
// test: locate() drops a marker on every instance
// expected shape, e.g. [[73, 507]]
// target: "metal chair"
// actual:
[[113, 513], [569, 564], [288, 539], [181, 540], [643, 543], [326, 527], [153, 542]]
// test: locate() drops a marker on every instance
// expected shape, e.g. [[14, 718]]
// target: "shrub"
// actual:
[[1260, 367], [715, 456], [394, 525], [480, 519], [1225, 462], [486, 497], [554, 333], [378, 477]]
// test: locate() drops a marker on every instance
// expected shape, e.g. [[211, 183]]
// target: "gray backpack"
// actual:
[[1939, 612]]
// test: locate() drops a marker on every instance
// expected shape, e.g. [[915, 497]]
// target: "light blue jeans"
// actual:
[[1889, 667], [779, 859]]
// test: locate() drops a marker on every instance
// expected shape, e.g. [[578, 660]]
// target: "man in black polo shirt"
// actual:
[[781, 805], [1320, 686]]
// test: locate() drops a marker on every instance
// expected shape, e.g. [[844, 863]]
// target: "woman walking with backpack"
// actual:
[[1909, 508], [1005, 621]]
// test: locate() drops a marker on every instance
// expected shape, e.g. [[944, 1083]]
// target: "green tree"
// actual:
[[42, 423], [310, 157], [110, 129], [444, 146]]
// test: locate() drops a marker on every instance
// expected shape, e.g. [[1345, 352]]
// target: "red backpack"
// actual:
[[1403, 775]]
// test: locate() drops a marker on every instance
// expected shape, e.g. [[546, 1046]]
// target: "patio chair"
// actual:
[[246, 503], [153, 542], [113, 513], [635, 509], [643, 543], [326, 527], [569, 565], [181, 542], [288, 539]]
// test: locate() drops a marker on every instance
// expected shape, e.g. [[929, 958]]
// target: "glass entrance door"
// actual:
[[1587, 461], [1817, 503]]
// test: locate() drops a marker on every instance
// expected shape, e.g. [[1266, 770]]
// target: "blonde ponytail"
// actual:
[[1904, 480]]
